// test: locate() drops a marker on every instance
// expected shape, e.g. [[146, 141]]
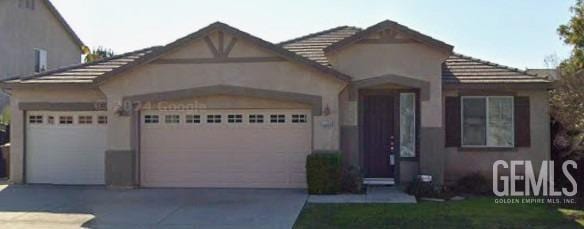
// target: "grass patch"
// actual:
[[473, 213]]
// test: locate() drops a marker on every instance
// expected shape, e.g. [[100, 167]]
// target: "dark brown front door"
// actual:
[[379, 135]]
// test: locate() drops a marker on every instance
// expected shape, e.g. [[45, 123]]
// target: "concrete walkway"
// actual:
[[374, 195], [96, 207]]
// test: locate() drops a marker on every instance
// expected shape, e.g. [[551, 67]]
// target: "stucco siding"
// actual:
[[462, 162], [24, 30]]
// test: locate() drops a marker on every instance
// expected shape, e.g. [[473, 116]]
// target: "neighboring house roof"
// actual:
[[64, 23], [461, 69], [549, 73], [83, 73]]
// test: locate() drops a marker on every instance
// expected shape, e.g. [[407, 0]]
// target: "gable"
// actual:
[[218, 46]]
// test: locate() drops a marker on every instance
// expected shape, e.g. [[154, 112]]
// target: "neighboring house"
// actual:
[[223, 108], [549, 73], [34, 37]]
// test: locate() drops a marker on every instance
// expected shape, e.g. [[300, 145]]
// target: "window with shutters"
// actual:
[[487, 121]]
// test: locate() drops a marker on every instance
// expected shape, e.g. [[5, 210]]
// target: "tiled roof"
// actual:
[[83, 73], [312, 46], [309, 49], [465, 69], [456, 69]]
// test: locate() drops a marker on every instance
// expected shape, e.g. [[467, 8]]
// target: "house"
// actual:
[[224, 108], [34, 38]]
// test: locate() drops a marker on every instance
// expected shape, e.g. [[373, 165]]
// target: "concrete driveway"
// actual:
[[97, 207]]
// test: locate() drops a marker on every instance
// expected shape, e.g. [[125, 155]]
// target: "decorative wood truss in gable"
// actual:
[[220, 50]]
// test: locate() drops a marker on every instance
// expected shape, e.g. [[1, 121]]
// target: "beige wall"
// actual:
[[411, 60], [280, 76], [23, 30], [414, 60], [460, 163]]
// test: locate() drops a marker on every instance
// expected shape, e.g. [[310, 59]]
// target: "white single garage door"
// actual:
[[225, 148], [65, 147]]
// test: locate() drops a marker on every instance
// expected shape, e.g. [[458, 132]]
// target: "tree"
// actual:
[[567, 98], [98, 54]]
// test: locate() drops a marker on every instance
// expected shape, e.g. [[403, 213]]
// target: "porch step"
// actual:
[[379, 181]]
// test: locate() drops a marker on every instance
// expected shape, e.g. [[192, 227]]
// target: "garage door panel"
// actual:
[[268, 155], [71, 153]]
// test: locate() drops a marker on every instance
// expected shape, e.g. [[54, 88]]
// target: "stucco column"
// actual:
[[326, 126], [121, 156], [17, 142], [432, 135]]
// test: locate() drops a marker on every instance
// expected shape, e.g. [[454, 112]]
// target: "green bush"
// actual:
[[323, 172], [474, 183], [352, 180]]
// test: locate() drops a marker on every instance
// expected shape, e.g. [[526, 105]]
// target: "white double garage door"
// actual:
[[207, 148]]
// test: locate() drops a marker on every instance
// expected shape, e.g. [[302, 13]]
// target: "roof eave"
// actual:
[[499, 85]]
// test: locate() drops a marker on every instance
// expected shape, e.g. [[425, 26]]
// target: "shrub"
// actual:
[[323, 172], [474, 183], [352, 180]]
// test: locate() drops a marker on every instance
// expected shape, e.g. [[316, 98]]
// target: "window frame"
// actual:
[[415, 118], [193, 119], [256, 118], [32, 119], [487, 119], [299, 118], [38, 60], [235, 118], [85, 120], [172, 119], [151, 119]]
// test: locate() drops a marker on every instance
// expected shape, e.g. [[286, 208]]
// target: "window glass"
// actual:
[[487, 121], [299, 118], [151, 119], [500, 129], [193, 119], [40, 56], [407, 140], [50, 120], [65, 119], [256, 118], [213, 118], [102, 119], [234, 118], [474, 122], [85, 119], [35, 119], [277, 118], [172, 119]]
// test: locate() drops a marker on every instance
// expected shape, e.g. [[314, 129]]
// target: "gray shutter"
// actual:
[[452, 121], [522, 122]]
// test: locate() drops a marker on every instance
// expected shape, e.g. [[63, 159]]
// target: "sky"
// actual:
[[516, 33]]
